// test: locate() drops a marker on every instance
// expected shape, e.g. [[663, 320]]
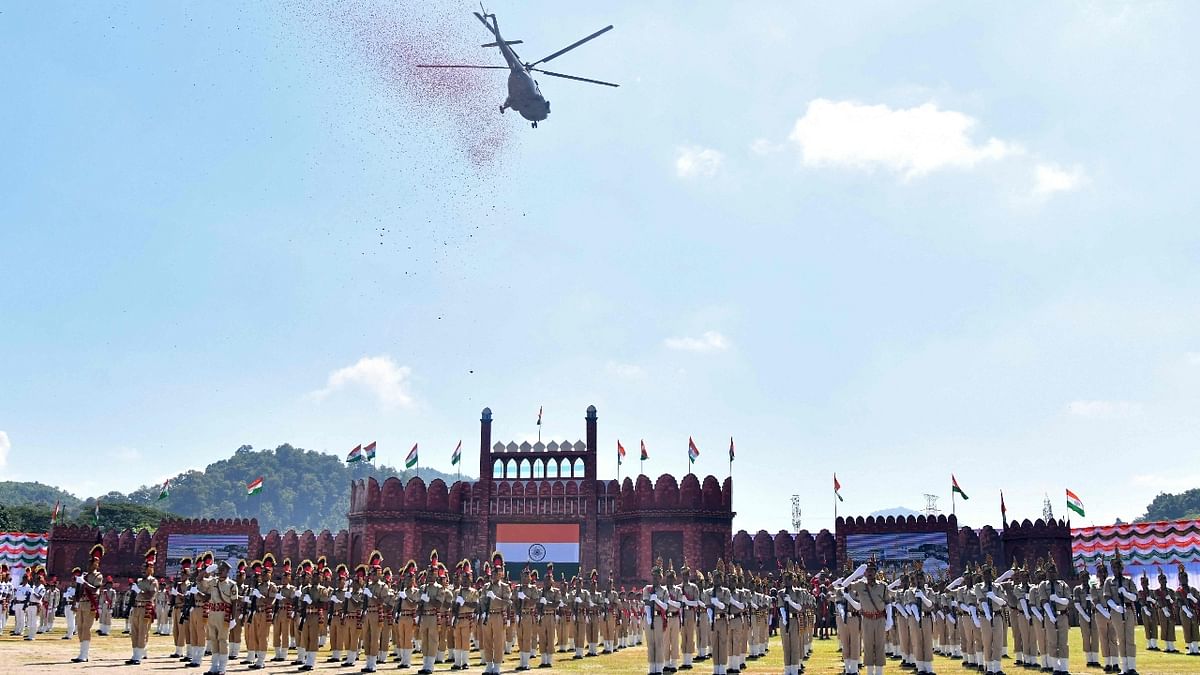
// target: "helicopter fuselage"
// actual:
[[524, 96]]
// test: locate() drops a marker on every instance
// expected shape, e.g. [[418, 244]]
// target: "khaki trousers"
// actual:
[[719, 641], [545, 634], [872, 637], [139, 626], [217, 632], [491, 639]]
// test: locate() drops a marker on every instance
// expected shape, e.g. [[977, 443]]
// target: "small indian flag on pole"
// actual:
[[645, 452], [411, 460], [165, 491], [731, 448], [539, 422], [254, 487], [96, 514], [54, 514], [369, 451], [457, 456], [355, 455], [693, 451], [620, 453], [837, 489], [956, 488], [1074, 503]]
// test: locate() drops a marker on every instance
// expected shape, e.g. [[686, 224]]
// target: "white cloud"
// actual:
[[1167, 482], [694, 161], [127, 454], [379, 375], [627, 371], [5, 446], [1050, 178], [710, 341], [909, 141], [1104, 409], [763, 146]]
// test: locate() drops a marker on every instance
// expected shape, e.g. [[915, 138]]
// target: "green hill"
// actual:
[[302, 489], [1174, 507]]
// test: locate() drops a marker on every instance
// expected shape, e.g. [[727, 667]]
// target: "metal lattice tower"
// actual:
[[931, 507], [1047, 510], [795, 513]]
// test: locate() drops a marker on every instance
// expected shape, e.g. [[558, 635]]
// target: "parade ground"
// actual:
[[51, 654]]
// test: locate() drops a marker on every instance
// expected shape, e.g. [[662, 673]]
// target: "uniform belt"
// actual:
[[141, 604], [548, 612], [873, 615], [527, 612], [403, 613], [672, 613], [466, 615], [216, 607], [428, 613], [317, 610]]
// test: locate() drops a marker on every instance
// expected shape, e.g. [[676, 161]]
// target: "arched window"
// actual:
[[552, 468], [564, 470], [525, 469], [511, 470], [579, 471], [498, 469], [539, 469]]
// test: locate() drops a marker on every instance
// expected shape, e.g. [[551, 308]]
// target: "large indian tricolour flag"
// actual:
[[534, 545]]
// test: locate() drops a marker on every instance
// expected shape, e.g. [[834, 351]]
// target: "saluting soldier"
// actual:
[[494, 605], [142, 613], [221, 592], [871, 600], [549, 600], [1120, 595]]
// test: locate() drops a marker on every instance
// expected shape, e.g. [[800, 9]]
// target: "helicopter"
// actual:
[[524, 96]]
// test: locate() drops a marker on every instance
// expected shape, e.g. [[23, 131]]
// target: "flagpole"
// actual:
[[952, 512]]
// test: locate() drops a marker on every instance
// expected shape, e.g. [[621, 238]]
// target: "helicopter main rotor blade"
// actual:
[[487, 67], [568, 48], [573, 77]]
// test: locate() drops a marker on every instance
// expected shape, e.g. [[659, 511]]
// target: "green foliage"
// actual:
[[1174, 507], [13, 493], [302, 489]]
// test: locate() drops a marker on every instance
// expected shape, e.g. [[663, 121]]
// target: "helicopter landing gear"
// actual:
[[534, 125]]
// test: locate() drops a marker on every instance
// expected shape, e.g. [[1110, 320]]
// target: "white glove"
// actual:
[[542, 601], [79, 579], [520, 595], [1117, 608], [1128, 596], [1145, 610], [307, 599], [653, 597], [490, 594], [173, 592], [134, 589], [578, 599], [279, 596], [403, 595], [887, 625], [1187, 611], [718, 604], [425, 596], [335, 600], [232, 624], [673, 604]]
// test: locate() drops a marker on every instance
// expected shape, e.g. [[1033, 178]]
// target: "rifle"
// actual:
[[303, 607], [189, 603]]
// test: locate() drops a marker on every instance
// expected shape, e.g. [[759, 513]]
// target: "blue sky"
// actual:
[[891, 241]]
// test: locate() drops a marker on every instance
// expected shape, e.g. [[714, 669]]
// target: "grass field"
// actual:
[[50, 654]]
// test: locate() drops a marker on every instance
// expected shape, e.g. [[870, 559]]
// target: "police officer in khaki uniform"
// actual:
[[142, 611], [258, 617], [718, 603], [1121, 596], [548, 603], [429, 605], [525, 608], [611, 613], [791, 609], [378, 606], [872, 600], [221, 593], [497, 598], [654, 599], [464, 607], [87, 591], [407, 605]]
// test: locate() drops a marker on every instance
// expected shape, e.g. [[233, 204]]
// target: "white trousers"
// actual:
[[31, 621]]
